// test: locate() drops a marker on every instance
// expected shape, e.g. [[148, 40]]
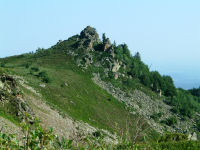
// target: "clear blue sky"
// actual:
[[166, 33]]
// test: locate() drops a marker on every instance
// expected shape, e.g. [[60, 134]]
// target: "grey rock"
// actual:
[[193, 137], [14, 98], [89, 33]]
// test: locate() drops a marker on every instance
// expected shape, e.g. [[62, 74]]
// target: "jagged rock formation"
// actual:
[[12, 99], [112, 67], [88, 36], [102, 56], [106, 44]]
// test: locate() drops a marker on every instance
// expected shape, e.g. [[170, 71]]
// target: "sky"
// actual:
[[166, 33]]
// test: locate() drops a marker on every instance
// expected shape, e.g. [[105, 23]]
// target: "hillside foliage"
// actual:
[[62, 74]]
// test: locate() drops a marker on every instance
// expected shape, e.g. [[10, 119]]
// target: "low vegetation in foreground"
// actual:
[[35, 137], [63, 75]]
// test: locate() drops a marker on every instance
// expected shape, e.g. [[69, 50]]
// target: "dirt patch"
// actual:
[[8, 127]]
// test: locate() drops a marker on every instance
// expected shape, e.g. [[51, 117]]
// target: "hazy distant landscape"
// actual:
[[187, 81], [184, 77]]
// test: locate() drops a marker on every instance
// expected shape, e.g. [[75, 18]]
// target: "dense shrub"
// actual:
[[43, 75], [34, 137], [34, 69], [170, 137], [170, 121], [156, 116], [184, 103], [27, 65], [195, 91], [3, 64]]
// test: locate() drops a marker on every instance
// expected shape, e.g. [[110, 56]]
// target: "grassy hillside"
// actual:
[[72, 92], [63, 75]]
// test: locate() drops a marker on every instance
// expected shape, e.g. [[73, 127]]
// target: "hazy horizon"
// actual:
[[166, 33]]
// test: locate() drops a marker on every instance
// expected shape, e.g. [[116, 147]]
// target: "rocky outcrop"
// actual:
[[12, 99], [115, 66], [140, 103], [193, 137], [89, 33], [88, 36], [63, 125], [106, 44]]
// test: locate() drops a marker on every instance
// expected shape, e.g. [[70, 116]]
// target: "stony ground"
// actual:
[[145, 106], [62, 126], [138, 101], [8, 127]]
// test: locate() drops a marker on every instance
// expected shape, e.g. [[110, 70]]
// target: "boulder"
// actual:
[[116, 76], [193, 136], [106, 44], [1, 85], [89, 33], [115, 67]]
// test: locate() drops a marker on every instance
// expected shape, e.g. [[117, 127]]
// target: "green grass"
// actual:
[[81, 98], [37, 137], [184, 145], [9, 117]]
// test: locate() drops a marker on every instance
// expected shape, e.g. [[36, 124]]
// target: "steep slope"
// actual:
[[101, 84], [73, 93]]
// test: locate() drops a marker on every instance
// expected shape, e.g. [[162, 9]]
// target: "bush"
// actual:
[[34, 69], [27, 65], [156, 116], [36, 137], [169, 137], [170, 121], [46, 79], [43, 75], [3, 64]]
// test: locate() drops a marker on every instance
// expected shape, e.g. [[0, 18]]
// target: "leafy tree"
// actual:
[[157, 80], [168, 86], [126, 51], [195, 91], [137, 55]]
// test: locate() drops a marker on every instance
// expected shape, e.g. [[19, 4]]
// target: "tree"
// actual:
[[137, 56], [104, 37], [168, 86], [126, 51], [195, 91], [114, 44], [156, 80]]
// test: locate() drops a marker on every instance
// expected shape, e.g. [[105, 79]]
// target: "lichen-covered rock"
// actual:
[[89, 33]]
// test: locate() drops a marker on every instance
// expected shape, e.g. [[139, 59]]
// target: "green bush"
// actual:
[[156, 116], [183, 145], [3, 64], [34, 69], [34, 137], [27, 65], [170, 121], [169, 137], [43, 75]]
